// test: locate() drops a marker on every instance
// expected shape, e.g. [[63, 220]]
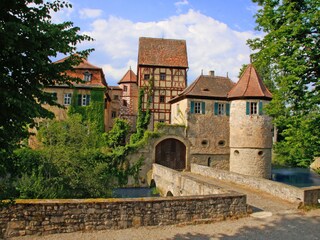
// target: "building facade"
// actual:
[[92, 89], [162, 72], [225, 123], [129, 98]]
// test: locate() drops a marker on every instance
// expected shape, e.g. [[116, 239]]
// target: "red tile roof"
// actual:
[[162, 52], [84, 64], [207, 86], [129, 77], [249, 85]]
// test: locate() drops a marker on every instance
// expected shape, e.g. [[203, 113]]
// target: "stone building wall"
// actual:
[[41, 217], [250, 141], [148, 152]]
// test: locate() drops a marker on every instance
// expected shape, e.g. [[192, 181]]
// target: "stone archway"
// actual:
[[171, 153]]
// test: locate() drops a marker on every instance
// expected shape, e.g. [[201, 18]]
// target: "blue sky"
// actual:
[[215, 31]]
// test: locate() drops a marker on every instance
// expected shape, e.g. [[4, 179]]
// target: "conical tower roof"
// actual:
[[250, 85], [129, 77]]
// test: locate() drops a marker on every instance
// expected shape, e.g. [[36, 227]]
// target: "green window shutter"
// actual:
[[203, 107], [248, 108], [228, 109], [216, 105], [79, 99], [87, 100], [192, 107], [260, 108]]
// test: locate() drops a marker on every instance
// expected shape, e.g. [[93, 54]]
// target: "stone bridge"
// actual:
[[261, 193]]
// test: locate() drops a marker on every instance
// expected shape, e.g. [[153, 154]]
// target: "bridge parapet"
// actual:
[[306, 196], [179, 184]]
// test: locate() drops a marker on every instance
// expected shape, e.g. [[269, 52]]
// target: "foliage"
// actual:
[[289, 55], [72, 162], [94, 113], [144, 117], [29, 40], [117, 135]]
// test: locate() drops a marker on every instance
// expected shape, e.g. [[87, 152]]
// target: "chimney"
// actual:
[[211, 73]]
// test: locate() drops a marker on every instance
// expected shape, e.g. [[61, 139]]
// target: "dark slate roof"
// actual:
[[129, 77], [207, 86], [162, 52], [249, 85]]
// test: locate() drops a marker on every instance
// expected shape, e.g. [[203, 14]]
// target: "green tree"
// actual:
[[117, 135], [289, 55], [29, 40]]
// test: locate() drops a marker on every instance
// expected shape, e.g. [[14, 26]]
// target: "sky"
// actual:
[[215, 31]]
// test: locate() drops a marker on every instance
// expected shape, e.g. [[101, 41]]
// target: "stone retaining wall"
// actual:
[[307, 196], [41, 217]]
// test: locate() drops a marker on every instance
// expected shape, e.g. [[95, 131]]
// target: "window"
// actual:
[[161, 120], [83, 100], [87, 76], [113, 114], [67, 99], [124, 103], [116, 97], [178, 109], [162, 76], [254, 108], [146, 76], [162, 98], [54, 96], [221, 108], [125, 88], [198, 107]]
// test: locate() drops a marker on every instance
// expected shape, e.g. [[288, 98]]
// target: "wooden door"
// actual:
[[171, 153]]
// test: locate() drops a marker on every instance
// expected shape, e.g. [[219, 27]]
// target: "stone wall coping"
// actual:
[[311, 188], [124, 200]]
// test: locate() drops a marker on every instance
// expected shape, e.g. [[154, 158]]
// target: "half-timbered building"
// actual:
[[162, 66]]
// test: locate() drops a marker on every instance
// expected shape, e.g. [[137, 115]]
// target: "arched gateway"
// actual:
[[171, 153]]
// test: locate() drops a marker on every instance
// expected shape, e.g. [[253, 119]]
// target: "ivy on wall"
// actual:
[[94, 112]]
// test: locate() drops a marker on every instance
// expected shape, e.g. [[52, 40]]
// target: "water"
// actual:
[[134, 192], [299, 177]]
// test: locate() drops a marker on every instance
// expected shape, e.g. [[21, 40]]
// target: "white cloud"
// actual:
[[211, 45], [90, 13], [180, 4], [64, 14]]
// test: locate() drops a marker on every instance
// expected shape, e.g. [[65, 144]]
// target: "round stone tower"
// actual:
[[250, 128]]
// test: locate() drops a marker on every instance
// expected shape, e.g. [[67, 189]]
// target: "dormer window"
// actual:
[[87, 76]]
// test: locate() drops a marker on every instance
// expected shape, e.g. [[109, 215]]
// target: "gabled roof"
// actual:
[[250, 85], [208, 87], [84, 64], [162, 52], [129, 77]]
